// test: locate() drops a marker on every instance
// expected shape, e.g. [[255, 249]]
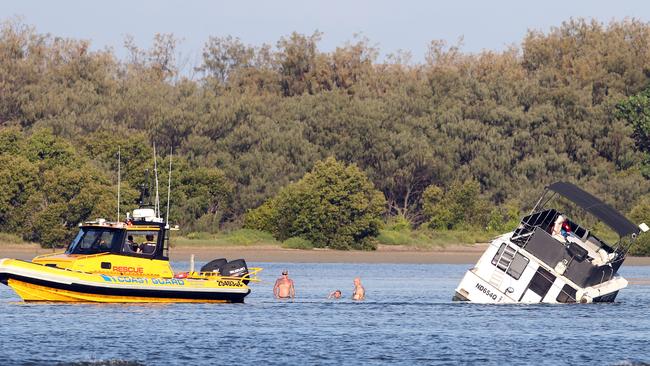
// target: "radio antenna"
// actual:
[[119, 177], [155, 171], [169, 182]]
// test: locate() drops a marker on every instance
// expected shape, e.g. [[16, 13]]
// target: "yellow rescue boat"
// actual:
[[124, 262]]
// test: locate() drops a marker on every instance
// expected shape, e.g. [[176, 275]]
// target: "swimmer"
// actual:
[[335, 295], [359, 292], [283, 288]]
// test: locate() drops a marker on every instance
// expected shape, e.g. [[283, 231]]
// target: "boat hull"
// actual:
[[34, 282], [534, 282]]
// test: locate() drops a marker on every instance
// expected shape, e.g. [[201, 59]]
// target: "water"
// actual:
[[408, 318]]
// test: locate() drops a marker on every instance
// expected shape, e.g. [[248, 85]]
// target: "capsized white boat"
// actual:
[[550, 258]]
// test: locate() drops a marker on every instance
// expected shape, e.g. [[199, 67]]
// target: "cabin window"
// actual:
[[140, 242], [541, 282], [568, 294], [517, 265], [92, 241]]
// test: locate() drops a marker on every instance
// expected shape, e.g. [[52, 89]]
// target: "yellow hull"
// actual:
[[32, 292], [37, 282]]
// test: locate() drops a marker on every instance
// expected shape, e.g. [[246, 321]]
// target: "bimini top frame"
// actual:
[[602, 211]]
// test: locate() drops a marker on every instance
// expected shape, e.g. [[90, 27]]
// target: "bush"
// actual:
[[398, 223], [297, 243], [641, 213], [12, 239], [247, 237], [503, 218], [333, 206], [241, 237], [641, 246], [459, 204], [198, 235]]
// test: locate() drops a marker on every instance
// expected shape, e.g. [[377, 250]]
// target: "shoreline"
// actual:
[[452, 254]]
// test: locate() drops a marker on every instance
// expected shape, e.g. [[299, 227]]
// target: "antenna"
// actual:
[[169, 182], [156, 206], [119, 177]]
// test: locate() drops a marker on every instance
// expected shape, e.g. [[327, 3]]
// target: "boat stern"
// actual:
[[474, 289]]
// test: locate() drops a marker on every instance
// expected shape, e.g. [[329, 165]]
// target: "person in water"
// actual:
[[283, 288], [335, 295], [359, 292]]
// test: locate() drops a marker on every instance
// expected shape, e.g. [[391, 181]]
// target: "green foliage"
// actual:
[[398, 223], [297, 243], [460, 204], [641, 246], [426, 239], [333, 206], [569, 103], [641, 213], [504, 218], [11, 239], [636, 111], [241, 237], [49, 189]]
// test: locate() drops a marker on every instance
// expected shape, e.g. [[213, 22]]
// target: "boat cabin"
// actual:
[[139, 246], [141, 236]]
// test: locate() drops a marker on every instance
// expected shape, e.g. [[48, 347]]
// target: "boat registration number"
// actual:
[[230, 283], [487, 292]]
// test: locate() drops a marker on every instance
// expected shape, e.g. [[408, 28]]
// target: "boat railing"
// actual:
[[250, 276], [542, 220]]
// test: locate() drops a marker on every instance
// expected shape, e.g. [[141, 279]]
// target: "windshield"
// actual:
[[92, 241]]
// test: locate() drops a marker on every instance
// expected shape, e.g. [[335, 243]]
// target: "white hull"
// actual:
[[488, 284]]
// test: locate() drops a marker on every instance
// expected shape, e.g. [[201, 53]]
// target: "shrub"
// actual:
[[641, 246], [503, 218], [333, 206], [459, 204], [297, 243], [641, 213], [398, 223]]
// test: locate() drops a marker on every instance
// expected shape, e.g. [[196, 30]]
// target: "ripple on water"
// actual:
[[408, 318]]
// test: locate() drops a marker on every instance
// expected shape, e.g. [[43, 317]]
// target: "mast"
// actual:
[[155, 171], [119, 176], [169, 183]]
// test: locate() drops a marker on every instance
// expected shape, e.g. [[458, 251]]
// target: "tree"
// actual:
[[636, 111], [333, 206], [461, 204]]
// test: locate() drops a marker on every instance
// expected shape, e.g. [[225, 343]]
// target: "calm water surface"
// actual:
[[408, 318]]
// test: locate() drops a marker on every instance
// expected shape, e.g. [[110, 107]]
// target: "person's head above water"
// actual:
[[285, 272], [337, 294], [357, 281]]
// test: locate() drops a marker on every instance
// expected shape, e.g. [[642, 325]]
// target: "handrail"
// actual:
[[250, 276]]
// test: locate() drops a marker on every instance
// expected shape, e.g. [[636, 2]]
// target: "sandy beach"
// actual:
[[454, 254]]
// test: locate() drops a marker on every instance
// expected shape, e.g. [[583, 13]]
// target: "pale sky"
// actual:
[[391, 25]]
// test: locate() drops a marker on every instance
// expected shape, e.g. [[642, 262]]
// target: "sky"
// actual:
[[390, 25]]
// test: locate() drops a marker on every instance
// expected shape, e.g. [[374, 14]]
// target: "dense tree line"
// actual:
[[253, 119]]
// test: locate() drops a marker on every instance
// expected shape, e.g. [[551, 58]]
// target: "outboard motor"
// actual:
[[236, 268], [214, 265]]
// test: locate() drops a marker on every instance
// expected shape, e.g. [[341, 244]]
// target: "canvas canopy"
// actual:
[[605, 213]]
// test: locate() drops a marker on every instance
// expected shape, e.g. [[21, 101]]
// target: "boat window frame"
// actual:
[[73, 247], [510, 271], [129, 231]]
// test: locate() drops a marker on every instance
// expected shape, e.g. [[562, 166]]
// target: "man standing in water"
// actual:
[[283, 288], [359, 292]]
